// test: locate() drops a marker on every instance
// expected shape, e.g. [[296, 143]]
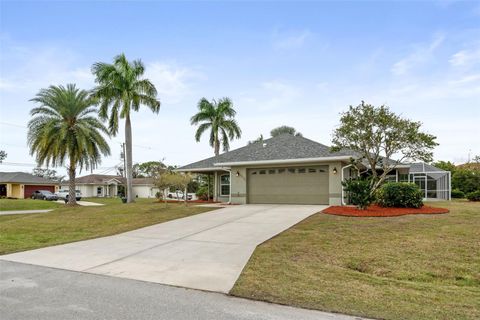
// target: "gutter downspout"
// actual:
[[343, 176]]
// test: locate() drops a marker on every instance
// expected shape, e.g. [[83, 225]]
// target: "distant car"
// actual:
[[44, 195], [179, 195], [63, 194]]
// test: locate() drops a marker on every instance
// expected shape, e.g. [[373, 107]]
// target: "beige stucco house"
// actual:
[[21, 185], [290, 169], [102, 185]]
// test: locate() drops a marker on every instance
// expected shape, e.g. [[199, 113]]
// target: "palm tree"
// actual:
[[122, 88], [219, 118], [64, 131]]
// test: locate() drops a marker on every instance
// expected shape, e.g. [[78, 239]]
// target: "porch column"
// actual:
[[215, 186]]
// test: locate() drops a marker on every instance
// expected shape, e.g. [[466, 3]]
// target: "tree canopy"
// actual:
[[285, 130], [219, 118], [63, 131], [377, 135]]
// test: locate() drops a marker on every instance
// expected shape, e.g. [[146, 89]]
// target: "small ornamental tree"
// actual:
[[377, 134]]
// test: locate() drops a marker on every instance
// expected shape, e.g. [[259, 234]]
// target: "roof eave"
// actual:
[[282, 161]]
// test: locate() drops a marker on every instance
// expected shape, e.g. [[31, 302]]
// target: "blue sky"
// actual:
[[294, 63]]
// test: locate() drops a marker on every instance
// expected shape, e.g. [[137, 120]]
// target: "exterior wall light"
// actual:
[[237, 174], [335, 170]]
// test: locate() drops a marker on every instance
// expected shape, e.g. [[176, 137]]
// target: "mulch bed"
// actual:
[[377, 211]]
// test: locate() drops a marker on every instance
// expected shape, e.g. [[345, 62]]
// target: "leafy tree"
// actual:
[[122, 89], [259, 139], [466, 180], [169, 179], [219, 118], [47, 174], [3, 155], [151, 168], [377, 134], [445, 165], [285, 130], [64, 131]]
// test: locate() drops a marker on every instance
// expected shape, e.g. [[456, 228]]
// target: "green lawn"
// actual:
[[66, 224], [27, 204], [409, 267]]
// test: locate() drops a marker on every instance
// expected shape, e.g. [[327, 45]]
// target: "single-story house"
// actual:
[[21, 185], [103, 185], [290, 169]]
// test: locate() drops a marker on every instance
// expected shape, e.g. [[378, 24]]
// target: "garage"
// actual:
[[29, 189], [288, 185]]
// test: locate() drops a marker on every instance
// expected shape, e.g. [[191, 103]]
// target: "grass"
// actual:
[[27, 204], [408, 267], [66, 224]]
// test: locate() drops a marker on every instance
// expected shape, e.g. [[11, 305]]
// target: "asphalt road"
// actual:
[[35, 292]]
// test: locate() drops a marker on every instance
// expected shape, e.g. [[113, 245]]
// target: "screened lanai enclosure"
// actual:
[[434, 182]]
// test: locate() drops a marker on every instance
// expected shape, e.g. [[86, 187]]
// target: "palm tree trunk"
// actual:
[[128, 156], [72, 195]]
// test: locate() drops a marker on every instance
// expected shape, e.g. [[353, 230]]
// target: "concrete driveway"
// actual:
[[207, 251]]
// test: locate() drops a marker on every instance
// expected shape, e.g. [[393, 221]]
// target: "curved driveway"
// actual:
[[207, 251]]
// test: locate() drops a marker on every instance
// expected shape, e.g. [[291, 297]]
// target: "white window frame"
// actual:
[[225, 184]]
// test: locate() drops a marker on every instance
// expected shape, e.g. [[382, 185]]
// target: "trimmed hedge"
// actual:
[[458, 194], [474, 196], [400, 195]]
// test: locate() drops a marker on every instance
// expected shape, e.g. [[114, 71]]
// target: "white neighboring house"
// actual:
[[102, 185]]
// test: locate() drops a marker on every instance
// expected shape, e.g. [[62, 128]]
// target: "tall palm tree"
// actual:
[[219, 118], [122, 88], [64, 131]]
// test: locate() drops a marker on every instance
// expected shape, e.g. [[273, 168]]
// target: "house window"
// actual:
[[301, 170], [263, 171], [312, 170], [225, 185], [281, 170], [291, 170], [99, 191], [271, 171]]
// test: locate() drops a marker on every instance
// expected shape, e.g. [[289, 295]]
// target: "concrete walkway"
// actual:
[[207, 251], [39, 293], [23, 211]]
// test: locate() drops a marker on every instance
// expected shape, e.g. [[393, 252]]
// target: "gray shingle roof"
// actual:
[[23, 177], [282, 147], [423, 167], [103, 178]]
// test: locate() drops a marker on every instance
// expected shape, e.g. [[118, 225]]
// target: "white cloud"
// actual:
[[291, 40], [465, 58], [173, 83], [420, 55]]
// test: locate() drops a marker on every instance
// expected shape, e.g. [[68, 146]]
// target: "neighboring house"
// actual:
[[102, 185], [290, 169], [21, 185]]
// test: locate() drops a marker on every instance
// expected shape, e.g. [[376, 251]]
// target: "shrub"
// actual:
[[466, 180], [459, 194], [202, 193], [474, 196], [400, 195], [359, 192]]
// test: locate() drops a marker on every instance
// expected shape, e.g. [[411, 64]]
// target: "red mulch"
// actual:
[[377, 211]]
